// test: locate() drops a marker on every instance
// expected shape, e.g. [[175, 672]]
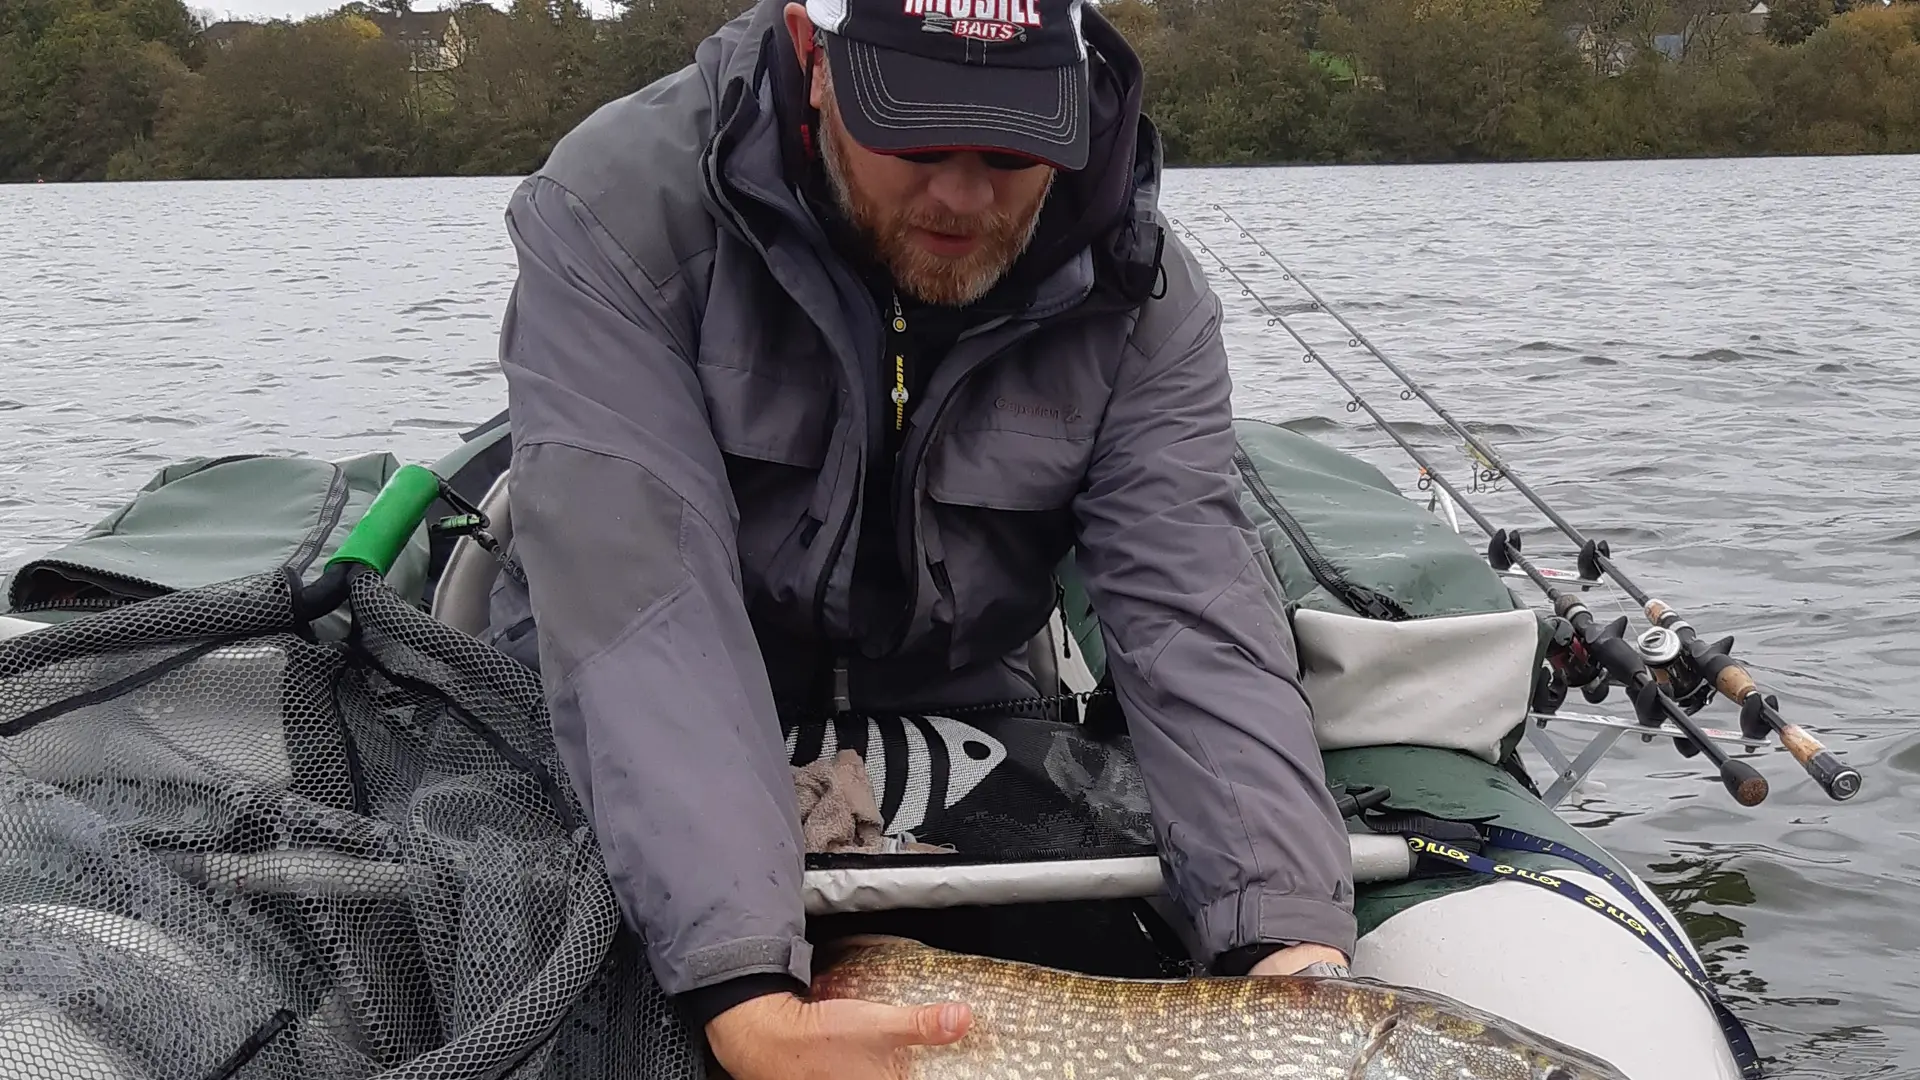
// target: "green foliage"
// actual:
[[80, 81], [1791, 22], [529, 74], [654, 38], [1852, 87], [1452, 82], [129, 89], [324, 98]]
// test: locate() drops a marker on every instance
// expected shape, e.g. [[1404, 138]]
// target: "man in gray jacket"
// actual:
[[823, 353]]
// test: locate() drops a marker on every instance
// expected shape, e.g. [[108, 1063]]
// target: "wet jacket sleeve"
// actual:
[[1202, 657], [625, 526]]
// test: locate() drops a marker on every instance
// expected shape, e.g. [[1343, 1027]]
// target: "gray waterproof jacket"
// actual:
[[689, 370]]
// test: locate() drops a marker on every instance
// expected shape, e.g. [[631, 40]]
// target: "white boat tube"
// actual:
[[1549, 964]]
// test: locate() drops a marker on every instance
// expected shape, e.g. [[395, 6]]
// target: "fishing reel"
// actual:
[[1667, 659], [1661, 649], [1572, 663], [1569, 664]]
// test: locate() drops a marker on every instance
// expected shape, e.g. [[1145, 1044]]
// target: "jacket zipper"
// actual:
[[907, 482], [1372, 604], [130, 584]]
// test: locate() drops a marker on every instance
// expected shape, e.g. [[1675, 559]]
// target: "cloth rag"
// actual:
[[838, 814]]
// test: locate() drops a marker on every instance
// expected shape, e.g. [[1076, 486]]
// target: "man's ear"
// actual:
[[800, 30]]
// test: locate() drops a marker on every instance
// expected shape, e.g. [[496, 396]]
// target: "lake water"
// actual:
[[1714, 365]]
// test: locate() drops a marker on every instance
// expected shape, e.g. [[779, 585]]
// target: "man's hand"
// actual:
[[781, 1037], [1296, 957]]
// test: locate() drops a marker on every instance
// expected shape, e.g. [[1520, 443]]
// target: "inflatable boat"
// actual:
[[1425, 666]]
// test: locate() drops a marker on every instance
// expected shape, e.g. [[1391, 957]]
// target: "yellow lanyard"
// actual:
[[899, 369]]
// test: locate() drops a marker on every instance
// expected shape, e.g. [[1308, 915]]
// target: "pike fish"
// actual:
[[1047, 1024]]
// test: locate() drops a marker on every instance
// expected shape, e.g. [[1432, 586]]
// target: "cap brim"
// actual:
[[893, 102]]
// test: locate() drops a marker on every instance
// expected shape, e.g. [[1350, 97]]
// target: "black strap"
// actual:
[[1682, 961], [1467, 832], [242, 1055], [126, 683]]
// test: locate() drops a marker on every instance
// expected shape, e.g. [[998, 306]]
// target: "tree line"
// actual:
[[133, 89]]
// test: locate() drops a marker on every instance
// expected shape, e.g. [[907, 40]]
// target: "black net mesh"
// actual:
[[226, 851]]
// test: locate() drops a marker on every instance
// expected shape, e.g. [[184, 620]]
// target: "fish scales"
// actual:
[[1038, 1023]]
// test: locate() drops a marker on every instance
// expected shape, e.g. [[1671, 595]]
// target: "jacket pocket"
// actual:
[[998, 519], [756, 416], [1007, 470]]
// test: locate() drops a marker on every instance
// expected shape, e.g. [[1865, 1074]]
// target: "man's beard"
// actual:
[[1002, 237]]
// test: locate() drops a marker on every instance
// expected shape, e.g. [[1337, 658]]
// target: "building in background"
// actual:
[[432, 39]]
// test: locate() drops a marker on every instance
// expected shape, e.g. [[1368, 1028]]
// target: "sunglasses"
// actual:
[[994, 159]]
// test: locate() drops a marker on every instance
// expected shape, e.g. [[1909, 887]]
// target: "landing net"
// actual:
[[227, 851]]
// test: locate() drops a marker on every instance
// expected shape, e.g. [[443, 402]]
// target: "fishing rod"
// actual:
[[1607, 646], [1671, 640]]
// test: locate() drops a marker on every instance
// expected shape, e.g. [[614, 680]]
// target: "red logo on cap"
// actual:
[[982, 20]]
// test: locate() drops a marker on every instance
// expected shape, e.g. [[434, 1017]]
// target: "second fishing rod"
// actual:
[[1708, 664], [1605, 644]]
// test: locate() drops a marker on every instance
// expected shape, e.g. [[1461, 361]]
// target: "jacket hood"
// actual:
[[1089, 207]]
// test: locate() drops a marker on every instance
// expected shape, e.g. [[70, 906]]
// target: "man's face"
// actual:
[[947, 231]]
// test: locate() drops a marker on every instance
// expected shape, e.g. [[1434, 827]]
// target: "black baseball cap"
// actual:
[[917, 75]]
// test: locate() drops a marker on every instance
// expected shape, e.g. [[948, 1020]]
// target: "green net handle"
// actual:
[[383, 531]]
